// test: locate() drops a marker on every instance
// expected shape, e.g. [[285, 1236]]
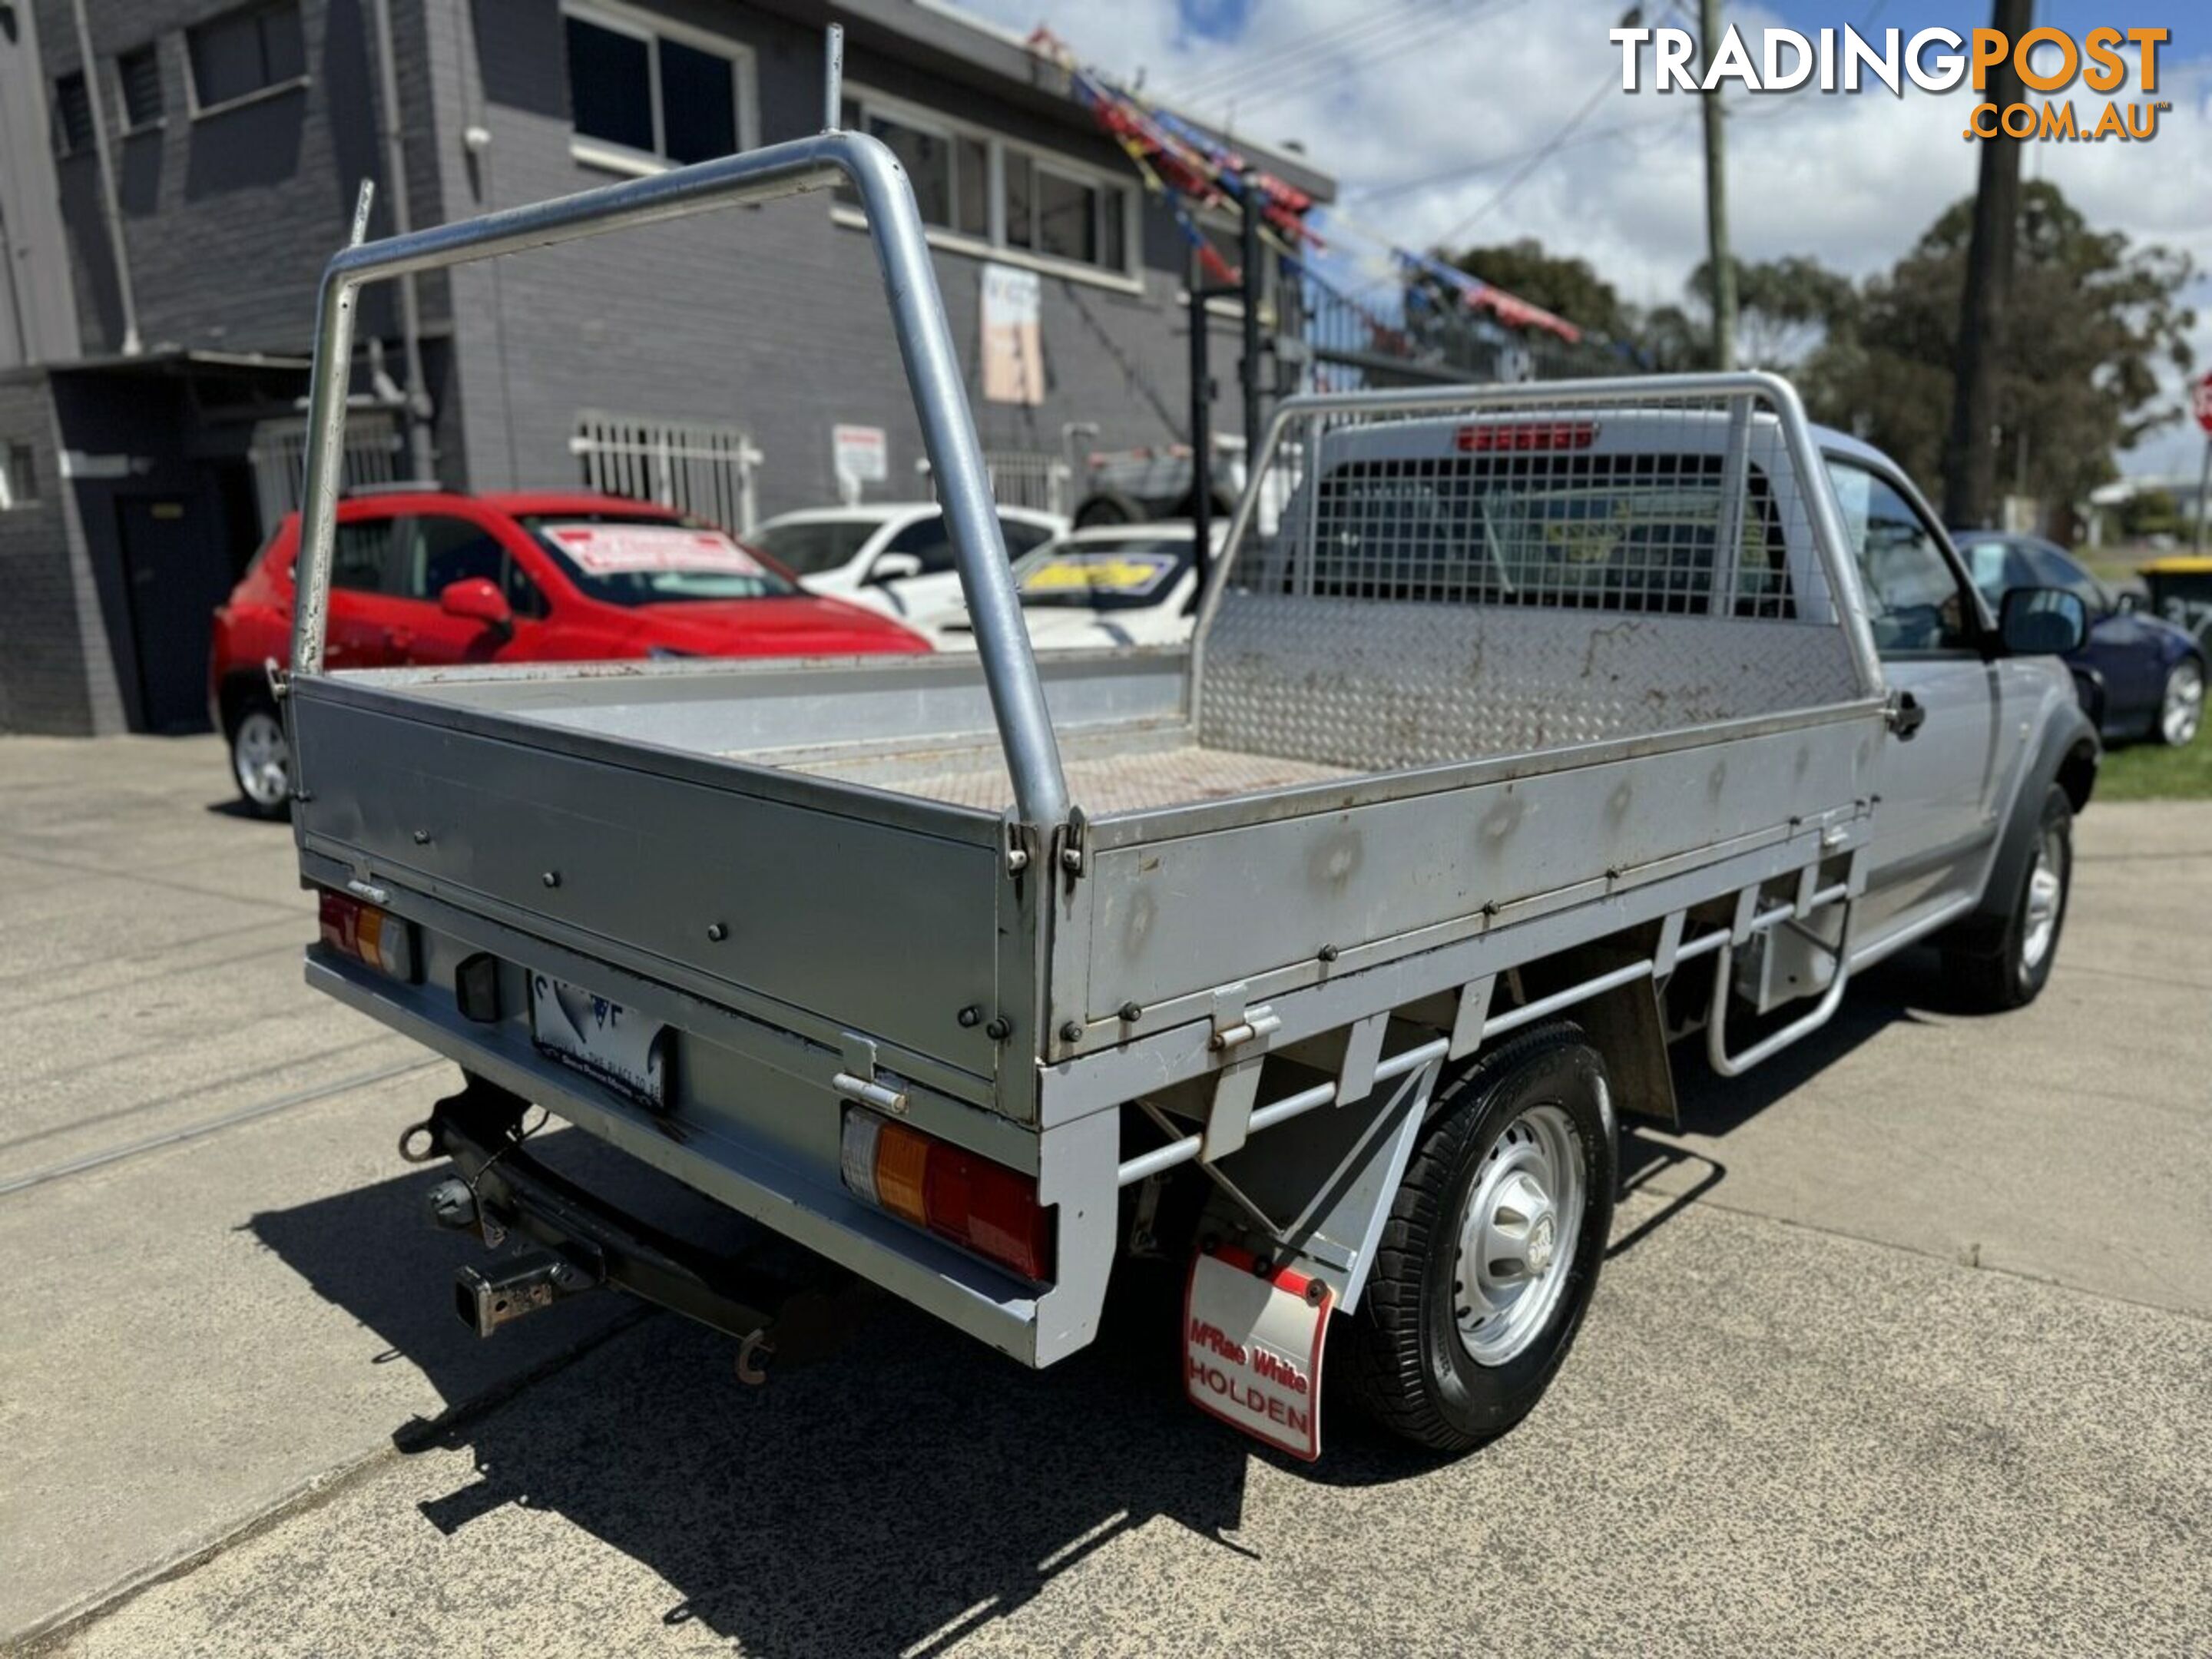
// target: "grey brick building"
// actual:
[[710, 358]]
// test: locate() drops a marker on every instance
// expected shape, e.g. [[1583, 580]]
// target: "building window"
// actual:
[[241, 53], [138, 78], [19, 477], [72, 115], [981, 187], [652, 93]]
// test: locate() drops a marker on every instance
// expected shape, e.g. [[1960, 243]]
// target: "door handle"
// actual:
[[400, 639], [1907, 715]]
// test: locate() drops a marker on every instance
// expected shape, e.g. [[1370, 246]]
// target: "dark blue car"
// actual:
[[2139, 675]]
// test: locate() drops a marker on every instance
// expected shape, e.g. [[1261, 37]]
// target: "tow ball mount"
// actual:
[[499, 1190]]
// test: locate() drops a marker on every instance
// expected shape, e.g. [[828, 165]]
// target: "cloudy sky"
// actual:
[[1438, 118]]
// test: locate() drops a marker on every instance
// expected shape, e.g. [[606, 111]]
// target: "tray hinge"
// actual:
[[1073, 839]]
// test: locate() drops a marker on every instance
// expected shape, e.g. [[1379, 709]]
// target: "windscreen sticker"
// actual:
[[614, 549], [1133, 573]]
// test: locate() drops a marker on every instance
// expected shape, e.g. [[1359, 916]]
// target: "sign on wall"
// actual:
[[861, 456], [1014, 336]]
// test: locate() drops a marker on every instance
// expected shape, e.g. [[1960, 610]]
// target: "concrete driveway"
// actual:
[[1906, 1345]]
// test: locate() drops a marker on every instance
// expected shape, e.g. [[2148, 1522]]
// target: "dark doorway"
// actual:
[[176, 574]]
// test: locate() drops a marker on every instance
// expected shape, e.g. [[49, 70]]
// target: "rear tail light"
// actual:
[[368, 934], [1498, 436], [979, 1205]]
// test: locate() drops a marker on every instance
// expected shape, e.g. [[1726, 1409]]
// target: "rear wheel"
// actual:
[[261, 761], [2015, 974], [1492, 1245], [2181, 711]]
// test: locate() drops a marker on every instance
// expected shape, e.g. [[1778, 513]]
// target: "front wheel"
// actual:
[[261, 761], [2181, 711], [1492, 1245], [2015, 974]]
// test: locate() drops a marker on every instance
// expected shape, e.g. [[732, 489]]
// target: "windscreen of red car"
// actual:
[[628, 561]]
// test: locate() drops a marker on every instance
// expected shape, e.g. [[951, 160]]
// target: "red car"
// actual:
[[430, 576]]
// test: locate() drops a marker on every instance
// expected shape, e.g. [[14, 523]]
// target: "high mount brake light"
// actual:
[[979, 1205], [370, 935], [1495, 437]]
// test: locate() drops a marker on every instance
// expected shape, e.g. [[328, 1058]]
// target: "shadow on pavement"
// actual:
[[913, 1488]]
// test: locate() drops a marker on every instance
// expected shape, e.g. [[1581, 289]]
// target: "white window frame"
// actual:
[[124, 128], [10, 501], [1128, 279], [651, 27], [196, 110]]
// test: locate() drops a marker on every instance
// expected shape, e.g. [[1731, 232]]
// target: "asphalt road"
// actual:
[[1906, 1347]]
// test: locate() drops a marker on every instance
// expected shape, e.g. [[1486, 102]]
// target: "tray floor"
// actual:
[[1133, 781]]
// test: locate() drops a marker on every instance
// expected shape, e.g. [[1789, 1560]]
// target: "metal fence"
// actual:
[[691, 465], [1022, 477], [279, 454]]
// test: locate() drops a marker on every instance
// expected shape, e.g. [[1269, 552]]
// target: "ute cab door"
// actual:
[[1943, 758]]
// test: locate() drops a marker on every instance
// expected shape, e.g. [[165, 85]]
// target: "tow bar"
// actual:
[[502, 1190]]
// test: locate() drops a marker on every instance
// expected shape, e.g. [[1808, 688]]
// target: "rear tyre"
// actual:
[[2181, 710], [261, 761], [2015, 974], [1492, 1245]]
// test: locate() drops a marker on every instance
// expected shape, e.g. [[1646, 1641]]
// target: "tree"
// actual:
[[2092, 319], [1786, 308]]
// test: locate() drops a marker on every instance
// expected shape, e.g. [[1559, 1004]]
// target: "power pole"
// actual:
[[1970, 456], [1717, 233]]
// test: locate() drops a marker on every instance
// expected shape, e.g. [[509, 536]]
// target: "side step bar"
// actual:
[[501, 1190]]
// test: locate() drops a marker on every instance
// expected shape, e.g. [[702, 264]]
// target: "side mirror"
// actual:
[[475, 599], [2042, 622], [893, 567]]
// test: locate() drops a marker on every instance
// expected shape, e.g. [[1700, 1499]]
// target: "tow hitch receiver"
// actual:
[[500, 1190], [487, 1301], [1252, 1343]]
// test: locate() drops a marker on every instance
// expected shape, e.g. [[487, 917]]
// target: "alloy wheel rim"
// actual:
[[2184, 705], [1517, 1235], [2046, 887], [258, 756]]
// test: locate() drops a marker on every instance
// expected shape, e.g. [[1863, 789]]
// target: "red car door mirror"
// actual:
[[474, 599]]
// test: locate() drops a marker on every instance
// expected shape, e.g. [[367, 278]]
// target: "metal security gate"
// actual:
[[279, 454], [1020, 477], [690, 465]]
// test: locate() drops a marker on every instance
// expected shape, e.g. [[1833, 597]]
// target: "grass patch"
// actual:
[[2151, 771]]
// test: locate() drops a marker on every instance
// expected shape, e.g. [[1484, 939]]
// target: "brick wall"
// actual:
[[47, 681], [772, 318]]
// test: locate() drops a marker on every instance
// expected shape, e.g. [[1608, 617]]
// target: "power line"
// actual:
[[1535, 162], [1404, 186], [1244, 67], [1405, 40]]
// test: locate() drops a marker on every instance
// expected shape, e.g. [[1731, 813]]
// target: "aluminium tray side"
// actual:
[[1177, 904]]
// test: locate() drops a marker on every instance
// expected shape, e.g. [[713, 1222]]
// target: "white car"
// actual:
[[895, 558], [1130, 584]]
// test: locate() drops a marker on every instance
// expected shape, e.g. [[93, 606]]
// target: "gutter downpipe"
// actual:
[[421, 457], [111, 204]]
